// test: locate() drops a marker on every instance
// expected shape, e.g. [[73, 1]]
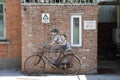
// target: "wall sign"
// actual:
[[45, 18], [90, 24]]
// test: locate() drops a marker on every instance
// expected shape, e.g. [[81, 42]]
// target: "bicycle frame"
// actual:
[[61, 65], [40, 54]]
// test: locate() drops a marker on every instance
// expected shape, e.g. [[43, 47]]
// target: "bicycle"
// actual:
[[67, 62]]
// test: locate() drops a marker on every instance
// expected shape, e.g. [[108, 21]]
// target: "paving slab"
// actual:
[[16, 75]]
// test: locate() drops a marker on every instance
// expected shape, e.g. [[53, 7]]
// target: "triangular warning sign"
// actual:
[[45, 17]]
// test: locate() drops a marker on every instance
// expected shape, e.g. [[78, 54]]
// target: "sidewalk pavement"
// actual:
[[16, 75]]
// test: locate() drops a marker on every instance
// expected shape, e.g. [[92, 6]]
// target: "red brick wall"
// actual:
[[34, 33], [13, 31]]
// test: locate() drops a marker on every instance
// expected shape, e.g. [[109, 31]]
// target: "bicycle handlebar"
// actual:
[[46, 45]]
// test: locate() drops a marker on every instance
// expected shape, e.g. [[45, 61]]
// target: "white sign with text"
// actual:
[[90, 24]]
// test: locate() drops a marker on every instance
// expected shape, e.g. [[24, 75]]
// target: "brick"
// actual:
[[60, 17], [13, 35]]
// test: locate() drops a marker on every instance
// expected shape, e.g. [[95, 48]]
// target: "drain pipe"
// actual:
[[118, 16], [118, 29]]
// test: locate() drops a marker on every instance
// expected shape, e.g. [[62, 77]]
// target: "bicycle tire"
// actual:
[[34, 64], [70, 67]]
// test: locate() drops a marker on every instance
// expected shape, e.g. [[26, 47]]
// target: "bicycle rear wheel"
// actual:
[[70, 64], [34, 65]]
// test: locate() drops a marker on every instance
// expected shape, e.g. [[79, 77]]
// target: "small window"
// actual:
[[2, 25], [59, 1], [76, 31], [30, 1]]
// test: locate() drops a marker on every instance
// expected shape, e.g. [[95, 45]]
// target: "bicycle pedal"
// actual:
[[53, 66]]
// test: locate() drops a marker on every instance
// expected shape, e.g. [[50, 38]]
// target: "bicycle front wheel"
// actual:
[[70, 64], [34, 65]]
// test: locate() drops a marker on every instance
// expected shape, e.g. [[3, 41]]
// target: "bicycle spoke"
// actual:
[[34, 64], [70, 64]]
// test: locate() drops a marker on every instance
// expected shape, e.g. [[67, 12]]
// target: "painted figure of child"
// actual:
[[61, 41], [65, 43], [56, 40]]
